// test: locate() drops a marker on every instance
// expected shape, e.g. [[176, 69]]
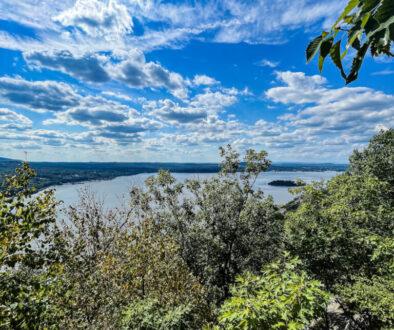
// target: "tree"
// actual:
[[369, 24], [27, 261], [377, 158], [282, 297], [222, 226], [343, 232]]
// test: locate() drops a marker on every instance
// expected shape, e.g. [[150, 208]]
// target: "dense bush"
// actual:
[[282, 297]]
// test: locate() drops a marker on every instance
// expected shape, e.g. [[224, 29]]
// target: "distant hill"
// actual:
[[2, 159], [56, 173]]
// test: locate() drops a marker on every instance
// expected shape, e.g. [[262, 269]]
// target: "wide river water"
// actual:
[[115, 192]]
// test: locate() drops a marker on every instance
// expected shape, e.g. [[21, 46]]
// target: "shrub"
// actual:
[[281, 297]]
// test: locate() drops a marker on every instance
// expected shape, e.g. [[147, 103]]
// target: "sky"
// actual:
[[171, 81]]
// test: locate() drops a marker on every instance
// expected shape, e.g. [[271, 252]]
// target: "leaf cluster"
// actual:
[[368, 24], [282, 297]]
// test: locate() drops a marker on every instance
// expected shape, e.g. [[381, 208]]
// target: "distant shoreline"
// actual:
[[54, 174]]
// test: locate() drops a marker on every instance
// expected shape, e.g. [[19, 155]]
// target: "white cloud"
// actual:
[[213, 100], [331, 112], [98, 18], [204, 80], [265, 62], [87, 67], [96, 26], [171, 112], [38, 95], [12, 120], [130, 69], [117, 95]]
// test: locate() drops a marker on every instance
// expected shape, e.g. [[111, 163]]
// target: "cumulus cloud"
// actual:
[[12, 120], [213, 100], [7, 115], [138, 73], [87, 68], [94, 111], [38, 95], [329, 111], [204, 80], [130, 68], [98, 18], [133, 125], [171, 112]]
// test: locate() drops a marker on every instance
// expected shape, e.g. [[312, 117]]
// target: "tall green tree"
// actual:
[[377, 159], [222, 225], [367, 24]]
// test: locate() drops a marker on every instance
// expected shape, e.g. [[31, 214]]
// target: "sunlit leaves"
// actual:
[[282, 297], [368, 23]]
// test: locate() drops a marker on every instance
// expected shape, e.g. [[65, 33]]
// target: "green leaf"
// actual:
[[355, 35], [335, 54], [313, 48], [381, 27], [370, 5], [321, 63], [385, 11], [350, 6], [356, 65], [326, 46], [324, 51]]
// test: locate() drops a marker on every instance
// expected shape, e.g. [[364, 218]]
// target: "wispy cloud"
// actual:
[[265, 62]]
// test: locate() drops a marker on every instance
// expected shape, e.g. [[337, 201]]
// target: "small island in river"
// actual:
[[286, 183]]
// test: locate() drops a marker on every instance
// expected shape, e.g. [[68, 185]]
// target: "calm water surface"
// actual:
[[115, 192]]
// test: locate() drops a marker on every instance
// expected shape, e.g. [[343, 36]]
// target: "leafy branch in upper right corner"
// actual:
[[369, 24]]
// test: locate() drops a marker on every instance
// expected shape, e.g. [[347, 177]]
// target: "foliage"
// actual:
[[27, 261], [222, 226], [369, 24], [331, 231], [150, 314], [281, 298], [374, 296], [343, 231], [377, 158], [112, 262]]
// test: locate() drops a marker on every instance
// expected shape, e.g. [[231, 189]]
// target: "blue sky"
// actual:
[[148, 80]]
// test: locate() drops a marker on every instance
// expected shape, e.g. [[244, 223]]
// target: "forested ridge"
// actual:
[[221, 256]]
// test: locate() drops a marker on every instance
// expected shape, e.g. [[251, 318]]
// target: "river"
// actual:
[[115, 191]]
